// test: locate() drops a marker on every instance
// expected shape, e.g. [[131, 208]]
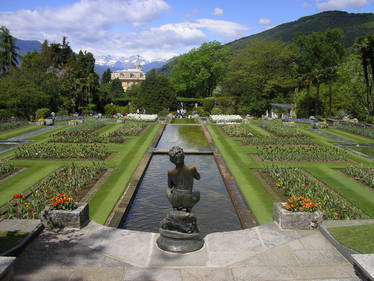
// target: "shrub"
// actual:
[[202, 112], [208, 104], [110, 109], [42, 112], [62, 112], [216, 111], [163, 112], [370, 120], [230, 111], [5, 114]]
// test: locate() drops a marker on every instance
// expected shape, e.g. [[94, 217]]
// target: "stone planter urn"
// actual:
[[52, 219], [295, 220]]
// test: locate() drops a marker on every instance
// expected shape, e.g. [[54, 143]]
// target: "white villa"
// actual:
[[129, 77]]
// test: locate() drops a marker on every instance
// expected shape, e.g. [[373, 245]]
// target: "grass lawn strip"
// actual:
[[258, 131], [129, 157], [349, 136], [18, 131], [358, 194], [237, 160], [24, 180], [359, 237], [9, 240]]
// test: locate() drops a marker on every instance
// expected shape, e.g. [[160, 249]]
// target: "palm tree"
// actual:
[[8, 50]]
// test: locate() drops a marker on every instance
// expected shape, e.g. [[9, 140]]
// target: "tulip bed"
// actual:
[[237, 130], [11, 125], [293, 182], [280, 130], [362, 174], [277, 141], [362, 131], [221, 118], [5, 168], [61, 151], [301, 153], [127, 129], [66, 182], [82, 133], [142, 117]]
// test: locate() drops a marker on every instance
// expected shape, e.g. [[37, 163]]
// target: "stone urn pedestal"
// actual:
[[179, 233]]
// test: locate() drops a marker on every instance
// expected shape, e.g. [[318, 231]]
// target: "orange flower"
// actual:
[[292, 205], [288, 207], [308, 206]]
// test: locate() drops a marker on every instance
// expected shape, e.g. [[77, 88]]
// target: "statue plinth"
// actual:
[[179, 232]]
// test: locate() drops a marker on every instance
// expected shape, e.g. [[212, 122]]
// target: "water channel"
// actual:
[[214, 211]]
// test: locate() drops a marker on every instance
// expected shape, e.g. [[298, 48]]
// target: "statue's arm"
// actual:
[[196, 174]]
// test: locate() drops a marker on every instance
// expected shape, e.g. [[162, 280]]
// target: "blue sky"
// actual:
[[155, 29]]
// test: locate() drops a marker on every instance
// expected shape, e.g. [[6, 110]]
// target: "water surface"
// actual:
[[214, 211], [186, 136]]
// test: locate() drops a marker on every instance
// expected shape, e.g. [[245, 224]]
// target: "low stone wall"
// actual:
[[295, 220], [77, 218], [6, 268]]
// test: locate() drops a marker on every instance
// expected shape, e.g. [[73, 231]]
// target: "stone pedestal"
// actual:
[[77, 218], [179, 233], [295, 220]]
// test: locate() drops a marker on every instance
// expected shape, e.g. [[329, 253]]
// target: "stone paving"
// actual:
[[264, 252]]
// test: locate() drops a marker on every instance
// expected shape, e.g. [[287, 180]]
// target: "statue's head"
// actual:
[[176, 155]]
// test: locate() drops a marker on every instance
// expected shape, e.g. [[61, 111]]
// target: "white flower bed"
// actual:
[[142, 117], [225, 119]]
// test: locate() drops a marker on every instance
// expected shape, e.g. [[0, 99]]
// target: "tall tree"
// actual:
[[8, 50], [106, 77], [197, 73], [260, 74], [365, 49]]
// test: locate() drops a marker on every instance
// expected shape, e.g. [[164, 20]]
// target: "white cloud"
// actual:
[[117, 27], [218, 12], [340, 4], [264, 21]]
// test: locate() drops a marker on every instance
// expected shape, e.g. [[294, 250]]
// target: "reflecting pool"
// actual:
[[186, 136]]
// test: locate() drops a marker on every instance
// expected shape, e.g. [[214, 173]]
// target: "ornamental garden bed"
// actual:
[[239, 130], [301, 153], [362, 175], [364, 131], [61, 151], [296, 182], [276, 128], [277, 141], [72, 182], [6, 169], [267, 182]]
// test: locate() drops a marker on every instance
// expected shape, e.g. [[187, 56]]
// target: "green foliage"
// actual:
[[208, 104], [163, 112], [197, 73], [106, 77], [110, 109], [5, 113], [62, 112], [157, 93], [261, 73], [42, 113], [216, 110], [8, 50], [116, 90]]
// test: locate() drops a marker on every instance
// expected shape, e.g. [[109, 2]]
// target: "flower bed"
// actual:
[[221, 119], [239, 130], [61, 151], [127, 129], [365, 175], [142, 117], [280, 130], [277, 141], [67, 182], [82, 133], [293, 182], [12, 125], [301, 153], [358, 130], [5, 167]]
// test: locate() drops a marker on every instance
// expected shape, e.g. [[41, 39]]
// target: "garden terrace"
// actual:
[[70, 181], [61, 151], [240, 130], [277, 141], [365, 175], [81, 133], [280, 130], [358, 130], [301, 153]]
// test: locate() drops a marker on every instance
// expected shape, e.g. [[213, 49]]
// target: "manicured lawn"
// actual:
[[359, 238], [364, 149], [183, 121], [9, 240], [125, 162], [18, 131], [349, 136]]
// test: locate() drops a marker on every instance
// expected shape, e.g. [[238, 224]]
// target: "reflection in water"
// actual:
[[184, 136], [214, 211]]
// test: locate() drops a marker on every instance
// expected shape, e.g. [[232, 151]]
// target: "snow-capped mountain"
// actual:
[[119, 63]]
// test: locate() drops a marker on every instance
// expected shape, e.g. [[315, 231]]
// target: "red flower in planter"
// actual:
[[17, 196]]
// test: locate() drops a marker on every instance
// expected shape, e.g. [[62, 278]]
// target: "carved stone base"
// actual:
[[179, 233]]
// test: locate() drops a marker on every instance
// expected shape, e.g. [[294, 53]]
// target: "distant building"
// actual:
[[129, 77]]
